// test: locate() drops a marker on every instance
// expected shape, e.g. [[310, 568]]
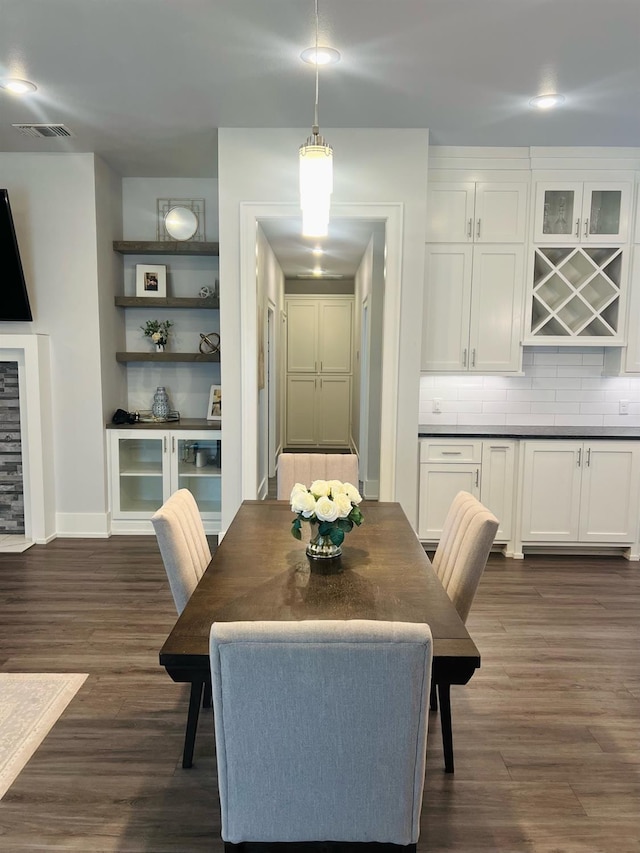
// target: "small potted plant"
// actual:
[[158, 331]]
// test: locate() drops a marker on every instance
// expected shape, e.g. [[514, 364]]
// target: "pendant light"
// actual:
[[316, 172]]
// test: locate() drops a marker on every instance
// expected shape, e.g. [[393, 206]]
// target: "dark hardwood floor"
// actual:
[[546, 735]]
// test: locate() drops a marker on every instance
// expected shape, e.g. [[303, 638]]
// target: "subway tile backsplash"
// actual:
[[560, 387]]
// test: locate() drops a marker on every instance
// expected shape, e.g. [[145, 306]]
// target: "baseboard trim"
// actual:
[[82, 525]]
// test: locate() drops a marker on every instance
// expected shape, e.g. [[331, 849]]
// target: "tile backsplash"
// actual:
[[560, 387]]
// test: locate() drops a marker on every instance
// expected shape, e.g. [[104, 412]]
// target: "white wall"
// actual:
[[140, 196], [371, 166]]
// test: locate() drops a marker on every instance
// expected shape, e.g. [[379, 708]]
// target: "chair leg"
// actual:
[[192, 723], [433, 697], [207, 700], [445, 724]]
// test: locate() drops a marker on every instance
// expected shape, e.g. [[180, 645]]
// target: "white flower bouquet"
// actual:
[[157, 330], [330, 504]]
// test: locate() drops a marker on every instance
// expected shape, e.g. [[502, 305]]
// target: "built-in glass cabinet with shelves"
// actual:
[[582, 212]]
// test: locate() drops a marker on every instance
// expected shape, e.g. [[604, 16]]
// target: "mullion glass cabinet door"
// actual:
[[140, 480]]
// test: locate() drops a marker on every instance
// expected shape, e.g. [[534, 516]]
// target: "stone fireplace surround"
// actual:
[[31, 352]]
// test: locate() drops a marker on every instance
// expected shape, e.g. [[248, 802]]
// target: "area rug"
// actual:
[[30, 704]]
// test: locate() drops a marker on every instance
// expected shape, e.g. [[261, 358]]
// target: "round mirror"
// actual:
[[181, 223]]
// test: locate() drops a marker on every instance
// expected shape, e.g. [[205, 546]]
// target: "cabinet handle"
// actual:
[[321, 367], [478, 231], [464, 357], [165, 443], [499, 446], [477, 477], [451, 452], [470, 228], [173, 444], [579, 457], [577, 227], [588, 457], [586, 227], [473, 357]]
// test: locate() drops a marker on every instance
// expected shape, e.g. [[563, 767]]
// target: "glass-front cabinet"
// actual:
[[582, 212], [148, 465]]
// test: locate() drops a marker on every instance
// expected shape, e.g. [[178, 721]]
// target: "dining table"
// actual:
[[260, 572]]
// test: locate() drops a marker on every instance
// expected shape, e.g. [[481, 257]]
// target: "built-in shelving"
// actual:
[[168, 356], [166, 302], [157, 247]]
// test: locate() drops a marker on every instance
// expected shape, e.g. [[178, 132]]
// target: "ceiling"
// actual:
[[146, 83]]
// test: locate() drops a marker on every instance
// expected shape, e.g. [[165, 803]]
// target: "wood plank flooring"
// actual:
[[546, 735]]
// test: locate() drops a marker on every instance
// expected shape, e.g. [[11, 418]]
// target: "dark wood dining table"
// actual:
[[260, 572]]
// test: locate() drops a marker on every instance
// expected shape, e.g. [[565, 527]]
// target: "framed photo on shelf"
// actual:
[[214, 411], [151, 280]]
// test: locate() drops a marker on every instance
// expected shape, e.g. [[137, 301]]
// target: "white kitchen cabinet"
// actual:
[[472, 309], [632, 355], [318, 410], [148, 465], [484, 468], [476, 212], [319, 335], [572, 212], [580, 492]]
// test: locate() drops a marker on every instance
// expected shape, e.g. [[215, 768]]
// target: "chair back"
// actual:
[[307, 467], [461, 556], [183, 544], [321, 729]]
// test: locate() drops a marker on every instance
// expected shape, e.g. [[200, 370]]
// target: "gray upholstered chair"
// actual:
[[185, 554], [307, 467], [459, 561], [321, 732]]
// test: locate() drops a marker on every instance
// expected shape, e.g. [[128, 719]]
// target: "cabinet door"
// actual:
[[447, 300], [500, 213], [498, 481], [140, 474], [301, 410], [334, 410], [632, 356], [335, 336], [558, 212], [496, 308], [609, 500], [606, 209], [450, 212], [439, 484], [196, 464], [551, 491], [302, 336]]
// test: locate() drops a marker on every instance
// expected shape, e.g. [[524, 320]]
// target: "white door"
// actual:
[[335, 336], [496, 308], [610, 481], [439, 484], [334, 411], [551, 491], [558, 212], [446, 306], [500, 213], [301, 410], [140, 472], [302, 336], [605, 212], [498, 481], [450, 212]]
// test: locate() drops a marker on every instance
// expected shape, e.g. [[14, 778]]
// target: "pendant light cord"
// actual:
[[316, 126]]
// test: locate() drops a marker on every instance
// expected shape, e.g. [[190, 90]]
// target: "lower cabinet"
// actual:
[[318, 410], [486, 469], [580, 492], [148, 465]]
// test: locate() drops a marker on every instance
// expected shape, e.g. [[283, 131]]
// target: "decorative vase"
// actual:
[[160, 347], [321, 548], [160, 407]]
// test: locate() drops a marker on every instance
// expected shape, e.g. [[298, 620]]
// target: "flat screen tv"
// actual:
[[14, 299]]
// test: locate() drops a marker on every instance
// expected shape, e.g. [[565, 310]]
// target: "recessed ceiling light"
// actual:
[[326, 55], [317, 250], [317, 271], [17, 86], [547, 102]]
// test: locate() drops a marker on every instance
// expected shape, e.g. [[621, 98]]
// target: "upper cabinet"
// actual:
[[572, 212], [482, 212]]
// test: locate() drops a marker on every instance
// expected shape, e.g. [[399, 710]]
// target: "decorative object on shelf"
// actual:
[[331, 508], [205, 292], [158, 331], [160, 408], [120, 416], [146, 416], [215, 403], [151, 280], [181, 219], [209, 343]]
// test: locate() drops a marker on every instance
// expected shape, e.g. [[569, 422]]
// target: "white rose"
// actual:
[[352, 493], [303, 502], [298, 487], [326, 509], [344, 505], [336, 487], [320, 488], [156, 336]]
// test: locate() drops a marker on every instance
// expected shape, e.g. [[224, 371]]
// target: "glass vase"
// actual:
[[321, 547]]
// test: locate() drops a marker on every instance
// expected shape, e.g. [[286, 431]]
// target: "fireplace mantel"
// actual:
[[31, 352]]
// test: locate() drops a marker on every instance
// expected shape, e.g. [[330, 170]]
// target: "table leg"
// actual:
[[192, 722], [445, 723]]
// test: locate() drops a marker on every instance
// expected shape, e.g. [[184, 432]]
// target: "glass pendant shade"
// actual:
[[316, 186]]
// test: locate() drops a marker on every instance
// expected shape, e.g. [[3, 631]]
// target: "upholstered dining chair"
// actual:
[[459, 561], [321, 730], [307, 467], [185, 554]]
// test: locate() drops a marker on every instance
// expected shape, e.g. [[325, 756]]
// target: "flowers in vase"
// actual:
[[157, 330], [331, 504]]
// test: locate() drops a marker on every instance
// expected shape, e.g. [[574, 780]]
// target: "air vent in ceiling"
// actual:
[[323, 275], [43, 131]]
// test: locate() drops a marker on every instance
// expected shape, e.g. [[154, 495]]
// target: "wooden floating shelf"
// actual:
[[158, 247], [166, 302], [167, 356]]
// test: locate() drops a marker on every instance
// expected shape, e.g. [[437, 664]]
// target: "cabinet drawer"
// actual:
[[450, 451]]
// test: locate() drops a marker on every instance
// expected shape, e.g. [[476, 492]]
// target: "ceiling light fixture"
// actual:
[[320, 55], [547, 102], [17, 86], [317, 250], [316, 173]]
